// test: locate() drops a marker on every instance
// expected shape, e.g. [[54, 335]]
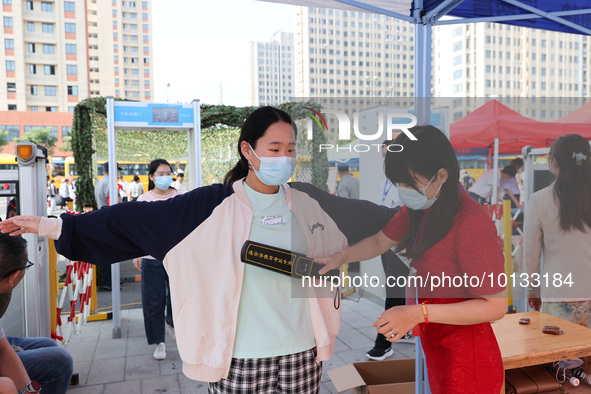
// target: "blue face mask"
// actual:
[[274, 171], [417, 200], [163, 182]]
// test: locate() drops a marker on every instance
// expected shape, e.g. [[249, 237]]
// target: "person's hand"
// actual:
[[331, 262], [533, 299], [20, 225], [397, 321], [137, 263]]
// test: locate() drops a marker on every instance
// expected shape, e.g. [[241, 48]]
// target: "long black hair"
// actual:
[[253, 128], [425, 157], [154, 164], [573, 184]]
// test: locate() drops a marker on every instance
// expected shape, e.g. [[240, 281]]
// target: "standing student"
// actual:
[[558, 226], [136, 188], [155, 286], [444, 231], [243, 328]]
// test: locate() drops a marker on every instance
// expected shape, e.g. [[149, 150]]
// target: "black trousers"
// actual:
[[395, 296]]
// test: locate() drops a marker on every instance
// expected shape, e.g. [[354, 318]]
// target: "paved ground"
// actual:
[[126, 365]]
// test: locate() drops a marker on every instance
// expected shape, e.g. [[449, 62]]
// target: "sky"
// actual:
[[200, 45]]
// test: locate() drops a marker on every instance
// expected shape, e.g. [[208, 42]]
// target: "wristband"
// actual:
[[31, 387], [425, 314]]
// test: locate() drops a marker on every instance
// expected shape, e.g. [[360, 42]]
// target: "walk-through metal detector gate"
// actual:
[[25, 185], [126, 115]]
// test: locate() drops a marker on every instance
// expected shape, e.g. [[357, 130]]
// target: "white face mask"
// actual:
[[274, 171], [417, 200]]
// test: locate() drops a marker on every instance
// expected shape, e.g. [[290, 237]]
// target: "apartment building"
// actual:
[[501, 61], [271, 70], [57, 53]]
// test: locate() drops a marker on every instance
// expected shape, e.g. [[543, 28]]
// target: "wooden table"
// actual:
[[526, 345]]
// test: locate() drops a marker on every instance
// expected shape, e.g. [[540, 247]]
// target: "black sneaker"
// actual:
[[378, 354]]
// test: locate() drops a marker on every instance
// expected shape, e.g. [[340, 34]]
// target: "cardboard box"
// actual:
[[376, 377]]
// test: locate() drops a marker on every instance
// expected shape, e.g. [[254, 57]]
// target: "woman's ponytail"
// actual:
[[239, 171]]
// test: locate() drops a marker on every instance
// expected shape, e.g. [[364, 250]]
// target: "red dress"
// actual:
[[460, 359]]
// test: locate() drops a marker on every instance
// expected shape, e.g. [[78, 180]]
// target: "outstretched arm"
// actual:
[[365, 249], [21, 225]]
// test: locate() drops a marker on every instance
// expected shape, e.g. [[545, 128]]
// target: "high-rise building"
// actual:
[[60, 52], [493, 60], [271, 66], [352, 54], [120, 49], [57, 53], [45, 59]]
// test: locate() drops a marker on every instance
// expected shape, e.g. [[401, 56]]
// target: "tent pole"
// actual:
[[495, 194], [422, 67], [113, 199]]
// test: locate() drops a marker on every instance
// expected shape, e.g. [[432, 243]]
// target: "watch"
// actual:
[[32, 387]]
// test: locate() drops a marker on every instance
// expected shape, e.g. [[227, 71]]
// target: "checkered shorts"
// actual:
[[297, 373]]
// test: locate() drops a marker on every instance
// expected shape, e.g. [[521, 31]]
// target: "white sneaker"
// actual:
[[171, 331], [160, 352]]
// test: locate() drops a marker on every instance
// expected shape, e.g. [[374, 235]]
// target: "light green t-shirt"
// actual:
[[271, 322]]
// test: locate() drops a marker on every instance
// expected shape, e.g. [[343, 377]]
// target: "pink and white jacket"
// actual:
[[199, 235]]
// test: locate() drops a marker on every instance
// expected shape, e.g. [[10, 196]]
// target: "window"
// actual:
[[8, 43], [12, 132], [71, 48], [31, 47], [29, 5], [11, 87], [30, 27], [70, 28], [49, 70], [145, 26], [457, 46], [457, 60], [69, 6], [7, 21], [47, 27], [7, 2], [33, 90], [32, 69], [72, 90], [72, 69], [66, 130], [50, 90], [46, 7], [51, 109], [70, 109], [146, 60], [145, 4], [10, 65], [48, 49]]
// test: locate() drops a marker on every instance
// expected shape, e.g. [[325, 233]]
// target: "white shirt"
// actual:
[[181, 187], [484, 185]]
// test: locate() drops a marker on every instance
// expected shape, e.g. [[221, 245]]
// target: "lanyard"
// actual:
[[386, 191]]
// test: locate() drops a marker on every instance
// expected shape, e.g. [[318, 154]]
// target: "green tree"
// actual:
[[40, 136], [66, 144], [3, 137]]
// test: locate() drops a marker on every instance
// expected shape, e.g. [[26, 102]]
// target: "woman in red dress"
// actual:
[[456, 261]]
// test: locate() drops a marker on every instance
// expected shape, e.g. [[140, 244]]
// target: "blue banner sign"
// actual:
[[135, 115]]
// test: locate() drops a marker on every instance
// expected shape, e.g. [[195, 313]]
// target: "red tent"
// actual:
[[493, 120], [581, 115]]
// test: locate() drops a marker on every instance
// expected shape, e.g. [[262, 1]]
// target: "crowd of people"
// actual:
[[245, 329]]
